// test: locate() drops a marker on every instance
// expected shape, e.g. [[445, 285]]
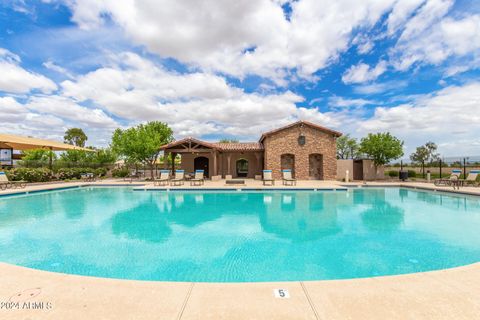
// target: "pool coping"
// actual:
[[148, 187]]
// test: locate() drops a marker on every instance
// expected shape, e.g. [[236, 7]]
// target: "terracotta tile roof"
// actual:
[[240, 146], [307, 123]]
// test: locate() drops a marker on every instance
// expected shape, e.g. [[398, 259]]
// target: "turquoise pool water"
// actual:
[[239, 236]]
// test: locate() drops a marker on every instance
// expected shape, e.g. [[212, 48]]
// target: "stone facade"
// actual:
[[316, 159]]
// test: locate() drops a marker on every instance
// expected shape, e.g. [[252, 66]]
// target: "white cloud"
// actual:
[[401, 12], [52, 66], [373, 88], [431, 38], [340, 102], [15, 79], [214, 35], [193, 104], [11, 110], [363, 73], [449, 117], [430, 13], [49, 116], [17, 119], [67, 109]]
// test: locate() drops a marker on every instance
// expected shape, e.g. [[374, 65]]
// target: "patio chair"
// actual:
[[471, 178], [88, 177], [454, 176], [179, 178], [267, 177], [287, 178], [132, 175], [5, 183], [198, 179], [164, 178]]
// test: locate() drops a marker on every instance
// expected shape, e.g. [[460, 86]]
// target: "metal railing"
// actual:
[[437, 169]]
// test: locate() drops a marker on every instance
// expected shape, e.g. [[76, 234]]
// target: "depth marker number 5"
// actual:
[[281, 293]]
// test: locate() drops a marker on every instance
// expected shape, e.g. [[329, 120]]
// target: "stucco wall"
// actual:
[[254, 166], [286, 141], [189, 158], [342, 167], [369, 171]]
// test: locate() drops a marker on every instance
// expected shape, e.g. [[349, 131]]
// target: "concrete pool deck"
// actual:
[[444, 294]]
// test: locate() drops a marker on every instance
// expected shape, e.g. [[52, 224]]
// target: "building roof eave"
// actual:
[[310, 124]]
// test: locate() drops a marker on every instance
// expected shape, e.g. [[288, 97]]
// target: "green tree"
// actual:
[[420, 155], [96, 158], [142, 143], [74, 156], [227, 140], [75, 136], [425, 154], [37, 157], [433, 155], [381, 148], [104, 156], [347, 147]]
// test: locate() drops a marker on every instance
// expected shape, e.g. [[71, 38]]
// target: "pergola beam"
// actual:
[[188, 150]]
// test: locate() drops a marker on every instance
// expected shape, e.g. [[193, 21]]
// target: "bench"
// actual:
[[234, 181]]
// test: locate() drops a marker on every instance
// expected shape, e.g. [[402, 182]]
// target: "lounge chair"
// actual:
[[287, 178], [198, 178], [267, 177], [179, 178], [471, 178], [164, 178], [455, 175], [5, 183]]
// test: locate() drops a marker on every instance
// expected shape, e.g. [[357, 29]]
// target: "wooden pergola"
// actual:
[[189, 145]]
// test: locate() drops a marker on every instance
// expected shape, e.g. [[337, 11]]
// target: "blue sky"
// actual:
[[238, 68]]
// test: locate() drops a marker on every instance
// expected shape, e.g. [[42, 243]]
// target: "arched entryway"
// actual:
[[315, 161], [201, 163], [242, 167], [287, 161]]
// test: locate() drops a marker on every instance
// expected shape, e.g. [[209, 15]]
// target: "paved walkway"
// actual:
[[445, 294]]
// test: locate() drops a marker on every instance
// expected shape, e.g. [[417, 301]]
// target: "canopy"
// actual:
[[10, 141]]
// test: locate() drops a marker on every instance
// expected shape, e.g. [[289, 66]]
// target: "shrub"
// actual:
[[30, 174], [101, 172], [73, 173], [393, 173], [412, 174], [120, 173]]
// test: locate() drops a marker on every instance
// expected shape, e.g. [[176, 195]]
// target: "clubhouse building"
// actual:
[[308, 149]]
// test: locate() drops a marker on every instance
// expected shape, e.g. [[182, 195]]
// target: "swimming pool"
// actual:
[[239, 236]]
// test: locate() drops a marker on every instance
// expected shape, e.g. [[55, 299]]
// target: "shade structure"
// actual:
[[10, 141]]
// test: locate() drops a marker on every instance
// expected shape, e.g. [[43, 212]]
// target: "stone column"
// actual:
[[166, 157], [228, 164], [174, 155], [214, 163]]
